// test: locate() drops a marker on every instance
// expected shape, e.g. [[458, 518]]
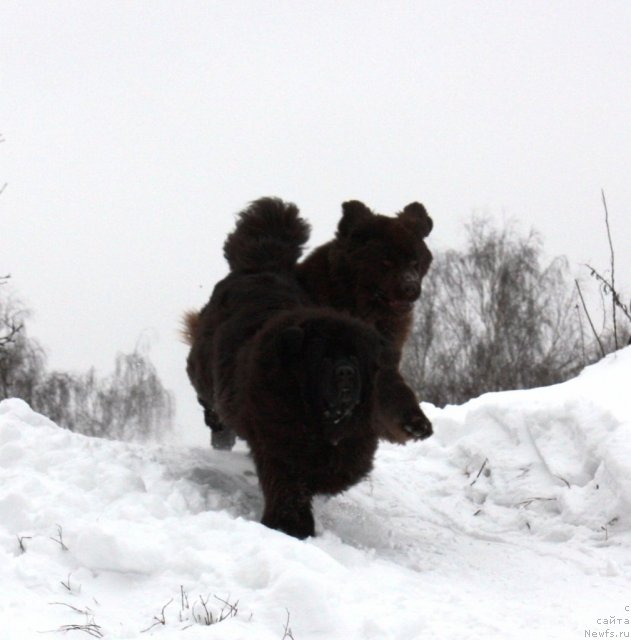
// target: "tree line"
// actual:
[[131, 403], [493, 316]]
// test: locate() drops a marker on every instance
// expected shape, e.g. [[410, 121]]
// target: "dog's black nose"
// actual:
[[411, 285], [411, 290], [345, 377], [342, 388]]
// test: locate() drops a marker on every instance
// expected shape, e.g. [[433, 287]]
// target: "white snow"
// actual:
[[513, 521]]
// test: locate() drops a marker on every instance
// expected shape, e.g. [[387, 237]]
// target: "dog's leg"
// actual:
[[221, 436], [397, 411], [287, 503]]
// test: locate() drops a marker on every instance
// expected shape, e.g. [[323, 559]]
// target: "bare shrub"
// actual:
[[492, 318], [22, 359], [612, 334], [130, 404]]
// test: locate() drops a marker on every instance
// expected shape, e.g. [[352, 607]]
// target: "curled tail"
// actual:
[[269, 236], [190, 327]]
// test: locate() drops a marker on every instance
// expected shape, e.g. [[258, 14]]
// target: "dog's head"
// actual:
[[384, 258], [335, 361]]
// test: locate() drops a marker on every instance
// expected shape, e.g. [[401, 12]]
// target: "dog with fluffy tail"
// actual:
[[269, 237], [294, 380]]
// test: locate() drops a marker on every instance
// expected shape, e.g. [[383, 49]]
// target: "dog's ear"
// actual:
[[289, 342], [353, 213], [415, 214]]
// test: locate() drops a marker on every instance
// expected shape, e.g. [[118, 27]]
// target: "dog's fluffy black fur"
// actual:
[[295, 381], [373, 269]]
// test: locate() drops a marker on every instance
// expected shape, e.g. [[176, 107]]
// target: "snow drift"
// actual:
[[514, 521]]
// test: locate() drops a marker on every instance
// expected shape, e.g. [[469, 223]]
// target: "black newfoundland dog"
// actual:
[[294, 380], [373, 269]]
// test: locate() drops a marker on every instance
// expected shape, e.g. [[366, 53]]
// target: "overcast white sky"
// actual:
[[135, 130]]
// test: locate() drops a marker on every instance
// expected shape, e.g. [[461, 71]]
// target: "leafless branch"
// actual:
[[86, 611], [608, 288], [4, 186], [228, 610], [159, 620], [562, 479], [287, 633], [66, 584], [184, 604], [91, 629], [21, 540], [207, 617], [589, 319], [12, 327], [529, 501], [59, 539], [613, 269], [480, 472]]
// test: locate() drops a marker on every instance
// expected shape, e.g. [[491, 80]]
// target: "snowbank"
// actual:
[[514, 521]]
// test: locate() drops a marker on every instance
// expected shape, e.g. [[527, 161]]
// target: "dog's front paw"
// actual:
[[413, 426], [223, 438], [418, 426]]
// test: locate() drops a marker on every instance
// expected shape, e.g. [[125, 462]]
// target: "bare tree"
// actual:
[[131, 403], [492, 317], [21, 358], [10, 327]]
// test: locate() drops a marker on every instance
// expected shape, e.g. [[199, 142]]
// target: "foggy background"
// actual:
[[133, 132]]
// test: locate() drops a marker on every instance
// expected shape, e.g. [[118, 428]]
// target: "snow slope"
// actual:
[[513, 521]]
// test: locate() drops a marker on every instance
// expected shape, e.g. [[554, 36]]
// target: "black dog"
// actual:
[[295, 381], [373, 269]]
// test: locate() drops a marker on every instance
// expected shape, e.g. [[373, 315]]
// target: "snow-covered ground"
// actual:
[[513, 521]]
